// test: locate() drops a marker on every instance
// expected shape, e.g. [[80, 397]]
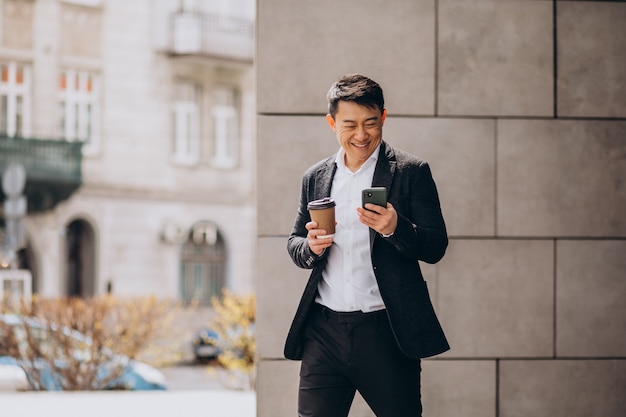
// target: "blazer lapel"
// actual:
[[385, 167], [324, 178], [383, 174]]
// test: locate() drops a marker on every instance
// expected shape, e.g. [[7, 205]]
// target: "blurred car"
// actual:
[[206, 345], [12, 377], [17, 374]]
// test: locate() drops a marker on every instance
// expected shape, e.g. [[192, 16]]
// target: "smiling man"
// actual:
[[365, 318]]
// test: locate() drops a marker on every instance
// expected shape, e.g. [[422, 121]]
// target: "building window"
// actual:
[[15, 84], [225, 121], [186, 122], [79, 108], [202, 264]]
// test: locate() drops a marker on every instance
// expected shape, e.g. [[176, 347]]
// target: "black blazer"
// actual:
[[420, 235]]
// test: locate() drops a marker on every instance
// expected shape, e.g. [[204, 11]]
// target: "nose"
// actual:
[[360, 132]]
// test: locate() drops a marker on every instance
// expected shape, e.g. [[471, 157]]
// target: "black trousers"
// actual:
[[346, 352]]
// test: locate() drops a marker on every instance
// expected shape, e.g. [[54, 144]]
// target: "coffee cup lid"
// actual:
[[320, 204]]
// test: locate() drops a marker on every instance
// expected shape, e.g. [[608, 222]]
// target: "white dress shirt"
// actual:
[[348, 282]]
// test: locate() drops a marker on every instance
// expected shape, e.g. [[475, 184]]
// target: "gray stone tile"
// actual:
[[461, 156], [495, 58], [287, 146], [459, 151], [562, 388], [279, 288], [451, 388], [561, 178], [590, 298], [277, 388], [495, 298], [303, 47], [591, 59]]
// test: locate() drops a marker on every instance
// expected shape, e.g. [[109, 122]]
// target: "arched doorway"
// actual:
[[28, 261], [80, 262], [202, 264]]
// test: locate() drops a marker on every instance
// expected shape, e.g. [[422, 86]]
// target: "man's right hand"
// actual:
[[317, 245]]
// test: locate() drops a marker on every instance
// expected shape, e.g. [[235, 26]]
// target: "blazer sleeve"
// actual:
[[297, 246]]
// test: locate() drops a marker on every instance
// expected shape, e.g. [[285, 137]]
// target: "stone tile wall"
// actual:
[[520, 109]]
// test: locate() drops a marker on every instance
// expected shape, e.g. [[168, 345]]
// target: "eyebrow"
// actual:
[[370, 119]]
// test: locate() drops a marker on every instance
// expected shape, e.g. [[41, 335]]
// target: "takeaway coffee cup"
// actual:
[[323, 212]]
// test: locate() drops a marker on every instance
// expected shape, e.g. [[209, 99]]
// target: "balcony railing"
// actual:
[[53, 168], [223, 37]]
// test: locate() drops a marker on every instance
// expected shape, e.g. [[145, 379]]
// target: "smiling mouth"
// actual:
[[362, 145]]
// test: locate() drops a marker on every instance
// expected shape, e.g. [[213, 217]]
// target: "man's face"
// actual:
[[359, 130]]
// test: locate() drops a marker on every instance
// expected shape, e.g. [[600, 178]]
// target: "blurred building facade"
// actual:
[[135, 122], [520, 109]]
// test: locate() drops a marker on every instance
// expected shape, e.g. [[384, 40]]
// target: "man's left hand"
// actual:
[[382, 219]]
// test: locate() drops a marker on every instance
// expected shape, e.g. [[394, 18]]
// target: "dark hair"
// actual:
[[357, 88]]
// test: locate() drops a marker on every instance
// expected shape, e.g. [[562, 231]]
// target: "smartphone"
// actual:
[[375, 195]]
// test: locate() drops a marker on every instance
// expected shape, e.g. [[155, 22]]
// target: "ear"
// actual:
[[331, 122], [383, 117]]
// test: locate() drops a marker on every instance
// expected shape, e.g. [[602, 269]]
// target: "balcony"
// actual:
[[53, 169], [210, 35]]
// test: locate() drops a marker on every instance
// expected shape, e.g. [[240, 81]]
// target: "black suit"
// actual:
[[419, 236]]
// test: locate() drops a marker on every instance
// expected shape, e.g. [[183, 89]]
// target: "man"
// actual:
[[365, 318]]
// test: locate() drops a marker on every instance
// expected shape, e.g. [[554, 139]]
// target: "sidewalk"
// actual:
[[214, 403]]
